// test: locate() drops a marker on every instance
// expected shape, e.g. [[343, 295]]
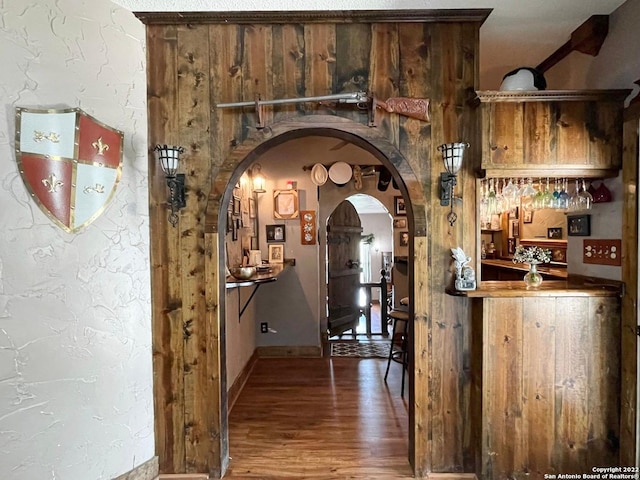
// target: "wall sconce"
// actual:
[[258, 179], [169, 158], [452, 154]]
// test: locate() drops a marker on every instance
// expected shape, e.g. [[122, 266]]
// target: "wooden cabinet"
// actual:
[[552, 133], [549, 382]]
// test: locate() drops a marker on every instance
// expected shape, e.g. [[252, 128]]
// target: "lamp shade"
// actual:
[[452, 154], [258, 179], [169, 158]]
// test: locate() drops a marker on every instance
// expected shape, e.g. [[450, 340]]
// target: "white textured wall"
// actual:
[[76, 400]]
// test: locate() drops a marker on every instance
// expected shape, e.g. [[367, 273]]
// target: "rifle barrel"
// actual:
[[355, 97]]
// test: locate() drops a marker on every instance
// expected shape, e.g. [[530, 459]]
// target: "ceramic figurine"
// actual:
[[465, 276]]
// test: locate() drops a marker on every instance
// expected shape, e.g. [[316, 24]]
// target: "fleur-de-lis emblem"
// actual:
[[100, 146], [52, 183]]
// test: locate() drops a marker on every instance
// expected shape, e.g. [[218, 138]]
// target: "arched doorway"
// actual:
[[243, 156]]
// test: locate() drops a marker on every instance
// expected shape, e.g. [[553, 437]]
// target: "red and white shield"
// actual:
[[70, 163]]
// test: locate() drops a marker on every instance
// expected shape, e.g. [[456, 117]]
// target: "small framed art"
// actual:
[[276, 233], [276, 253], [554, 233], [399, 206], [579, 225], [285, 203]]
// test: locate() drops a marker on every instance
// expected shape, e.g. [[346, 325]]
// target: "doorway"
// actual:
[[279, 158]]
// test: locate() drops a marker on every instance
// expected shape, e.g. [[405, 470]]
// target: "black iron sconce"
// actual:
[[169, 158], [452, 154]]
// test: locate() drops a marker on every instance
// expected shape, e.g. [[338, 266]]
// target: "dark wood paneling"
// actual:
[[193, 67], [628, 400], [166, 284], [551, 370], [203, 65]]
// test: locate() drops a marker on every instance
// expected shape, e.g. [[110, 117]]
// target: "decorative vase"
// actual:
[[533, 279]]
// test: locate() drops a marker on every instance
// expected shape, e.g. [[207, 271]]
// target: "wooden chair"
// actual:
[[399, 348]]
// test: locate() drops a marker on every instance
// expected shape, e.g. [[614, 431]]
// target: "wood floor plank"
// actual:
[[320, 418]]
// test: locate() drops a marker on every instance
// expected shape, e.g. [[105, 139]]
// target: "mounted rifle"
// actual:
[[417, 108]]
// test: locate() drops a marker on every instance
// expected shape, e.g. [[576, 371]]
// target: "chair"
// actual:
[[399, 348]]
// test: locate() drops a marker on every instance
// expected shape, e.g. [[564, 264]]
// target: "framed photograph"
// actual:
[[235, 227], [399, 223], [554, 232], [514, 228], [398, 207], [285, 204], [236, 206], [276, 233], [276, 253], [527, 216], [404, 239], [513, 212], [579, 225]]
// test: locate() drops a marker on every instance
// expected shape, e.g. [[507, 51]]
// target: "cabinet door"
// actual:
[[576, 135]]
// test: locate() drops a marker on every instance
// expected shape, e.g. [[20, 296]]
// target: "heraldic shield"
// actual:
[[70, 162]]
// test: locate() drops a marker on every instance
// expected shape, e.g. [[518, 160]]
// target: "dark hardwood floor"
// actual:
[[320, 419]]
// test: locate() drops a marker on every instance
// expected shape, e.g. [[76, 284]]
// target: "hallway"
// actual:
[[321, 419]]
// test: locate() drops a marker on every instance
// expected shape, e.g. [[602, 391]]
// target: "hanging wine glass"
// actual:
[[585, 199], [527, 195], [563, 199], [484, 207], [510, 194], [547, 199], [574, 200], [538, 198]]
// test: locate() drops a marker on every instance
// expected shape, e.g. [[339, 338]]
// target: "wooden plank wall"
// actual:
[[628, 400], [551, 377], [193, 66]]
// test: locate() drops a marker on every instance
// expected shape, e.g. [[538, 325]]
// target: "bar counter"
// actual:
[[546, 369], [549, 288]]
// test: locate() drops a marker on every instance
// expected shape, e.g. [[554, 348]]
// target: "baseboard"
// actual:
[[298, 351], [147, 471], [241, 379], [183, 476], [452, 476]]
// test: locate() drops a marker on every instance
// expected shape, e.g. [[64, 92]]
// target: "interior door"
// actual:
[[344, 232]]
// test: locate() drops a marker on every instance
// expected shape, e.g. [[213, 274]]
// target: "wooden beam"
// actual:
[[587, 38]]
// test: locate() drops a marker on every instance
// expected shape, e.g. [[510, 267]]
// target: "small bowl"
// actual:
[[242, 273]]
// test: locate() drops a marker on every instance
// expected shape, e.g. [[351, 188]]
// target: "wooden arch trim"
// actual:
[[367, 138]]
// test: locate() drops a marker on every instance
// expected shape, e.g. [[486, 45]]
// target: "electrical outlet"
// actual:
[[602, 252], [264, 327]]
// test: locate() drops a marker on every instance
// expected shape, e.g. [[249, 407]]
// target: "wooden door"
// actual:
[[343, 271]]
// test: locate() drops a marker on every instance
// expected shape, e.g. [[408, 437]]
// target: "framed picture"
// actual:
[[514, 228], [554, 232], [404, 239], [398, 206], [285, 203], [513, 212], [527, 216], [399, 223], [236, 206], [276, 253], [579, 225], [276, 233]]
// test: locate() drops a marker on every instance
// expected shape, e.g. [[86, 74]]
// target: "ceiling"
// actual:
[[517, 32]]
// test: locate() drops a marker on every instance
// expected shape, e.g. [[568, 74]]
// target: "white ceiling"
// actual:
[[517, 32]]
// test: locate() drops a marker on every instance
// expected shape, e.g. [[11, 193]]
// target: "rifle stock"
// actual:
[[405, 106]]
